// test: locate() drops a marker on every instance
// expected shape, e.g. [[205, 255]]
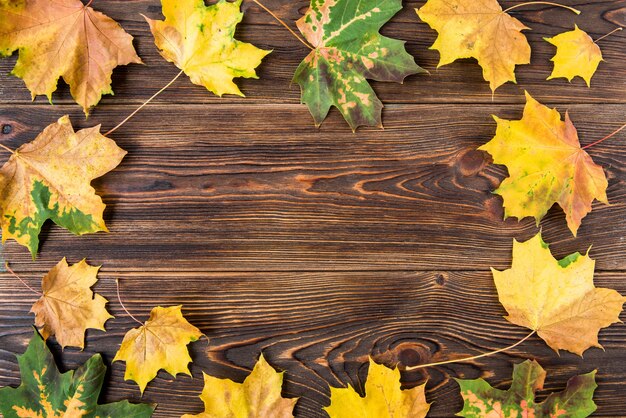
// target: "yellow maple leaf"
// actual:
[[199, 40], [68, 306], [576, 55], [481, 30], [546, 165], [383, 397], [161, 343], [556, 298], [49, 179], [64, 38], [259, 396]]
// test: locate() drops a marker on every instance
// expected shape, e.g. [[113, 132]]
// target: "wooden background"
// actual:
[[320, 246]]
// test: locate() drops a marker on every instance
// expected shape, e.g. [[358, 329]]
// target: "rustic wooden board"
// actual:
[[320, 247]]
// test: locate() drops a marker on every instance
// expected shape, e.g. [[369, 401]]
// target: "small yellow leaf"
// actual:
[[546, 166], [68, 306], [556, 298], [576, 55], [481, 30], [161, 343], [383, 397], [200, 40], [259, 396]]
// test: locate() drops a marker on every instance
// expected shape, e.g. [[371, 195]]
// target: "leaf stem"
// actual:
[[88, 4], [459, 360], [144, 104], [305, 43], [119, 298], [6, 265], [7, 148], [608, 34], [549, 3], [605, 138]]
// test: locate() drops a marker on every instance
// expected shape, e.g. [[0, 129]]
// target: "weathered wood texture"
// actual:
[[320, 247]]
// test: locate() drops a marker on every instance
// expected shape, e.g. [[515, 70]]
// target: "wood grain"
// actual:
[[320, 247], [215, 187]]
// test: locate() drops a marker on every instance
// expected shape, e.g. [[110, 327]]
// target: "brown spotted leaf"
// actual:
[[481, 400], [348, 50]]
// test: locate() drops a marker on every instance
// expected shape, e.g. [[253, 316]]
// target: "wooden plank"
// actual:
[[320, 328], [460, 82], [216, 188]]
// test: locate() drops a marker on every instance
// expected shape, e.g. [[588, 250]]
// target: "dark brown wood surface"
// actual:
[[320, 247]]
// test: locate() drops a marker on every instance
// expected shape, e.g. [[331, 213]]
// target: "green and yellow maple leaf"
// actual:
[[348, 50], [481, 30], [64, 38], [481, 400], [68, 306], [161, 343], [46, 393], [576, 55], [199, 40], [259, 396], [546, 166], [383, 397], [50, 177], [557, 299]]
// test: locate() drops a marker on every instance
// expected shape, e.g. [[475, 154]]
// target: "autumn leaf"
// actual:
[[482, 400], [481, 30], [45, 392], [66, 39], [161, 343], [576, 55], [199, 40], [546, 165], [259, 396], [383, 397], [68, 306], [348, 50], [50, 177], [557, 299]]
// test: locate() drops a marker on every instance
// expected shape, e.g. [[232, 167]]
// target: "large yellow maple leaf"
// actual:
[[68, 306], [259, 396], [478, 29], [576, 55], [557, 299], [64, 38], [199, 40], [161, 343], [546, 165], [49, 179], [383, 397]]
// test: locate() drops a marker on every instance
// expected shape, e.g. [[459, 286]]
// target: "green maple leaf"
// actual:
[[45, 392], [348, 50], [481, 399]]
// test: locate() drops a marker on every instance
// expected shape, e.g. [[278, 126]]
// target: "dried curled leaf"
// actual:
[[481, 30], [45, 392], [161, 343], [68, 306], [200, 40], [348, 50], [481, 400], [556, 298], [546, 165], [383, 397], [257, 397], [50, 177], [576, 55], [64, 38]]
